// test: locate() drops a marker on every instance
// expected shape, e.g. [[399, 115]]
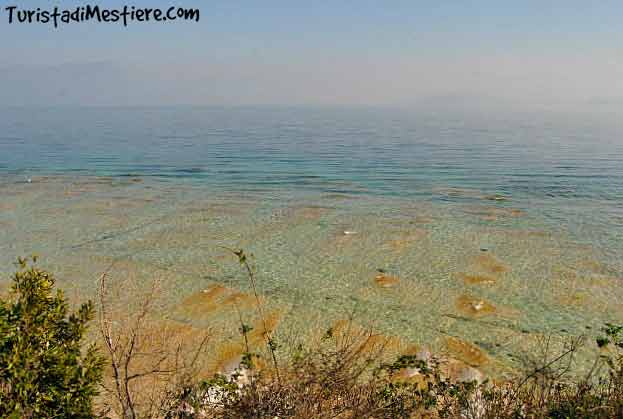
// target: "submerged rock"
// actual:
[[487, 262], [496, 197], [220, 302], [386, 281], [474, 307], [406, 239], [458, 192], [477, 279], [7, 207], [466, 352], [460, 372], [494, 213]]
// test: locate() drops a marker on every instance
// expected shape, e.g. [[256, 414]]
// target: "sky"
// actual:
[[340, 52]]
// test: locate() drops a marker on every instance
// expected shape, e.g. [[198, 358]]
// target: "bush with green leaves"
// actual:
[[44, 369]]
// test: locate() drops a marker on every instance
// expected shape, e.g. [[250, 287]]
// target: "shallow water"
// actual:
[[492, 229]]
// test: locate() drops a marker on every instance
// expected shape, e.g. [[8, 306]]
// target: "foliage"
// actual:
[[43, 369], [614, 335]]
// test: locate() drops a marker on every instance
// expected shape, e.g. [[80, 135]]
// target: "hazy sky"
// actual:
[[526, 52]]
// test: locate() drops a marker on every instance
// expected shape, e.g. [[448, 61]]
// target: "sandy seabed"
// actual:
[[473, 276]]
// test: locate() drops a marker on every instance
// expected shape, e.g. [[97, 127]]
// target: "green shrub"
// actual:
[[43, 370]]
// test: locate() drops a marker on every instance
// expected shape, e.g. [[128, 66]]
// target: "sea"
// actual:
[[465, 231]]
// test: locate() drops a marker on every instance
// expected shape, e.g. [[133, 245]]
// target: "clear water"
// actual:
[[532, 202]]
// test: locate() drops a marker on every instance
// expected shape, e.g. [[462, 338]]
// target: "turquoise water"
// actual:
[[325, 198]]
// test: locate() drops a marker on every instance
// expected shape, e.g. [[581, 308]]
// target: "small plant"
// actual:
[[271, 344], [151, 363], [614, 335], [44, 371]]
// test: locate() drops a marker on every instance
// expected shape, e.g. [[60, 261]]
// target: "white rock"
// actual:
[[469, 374], [423, 355], [479, 305]]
